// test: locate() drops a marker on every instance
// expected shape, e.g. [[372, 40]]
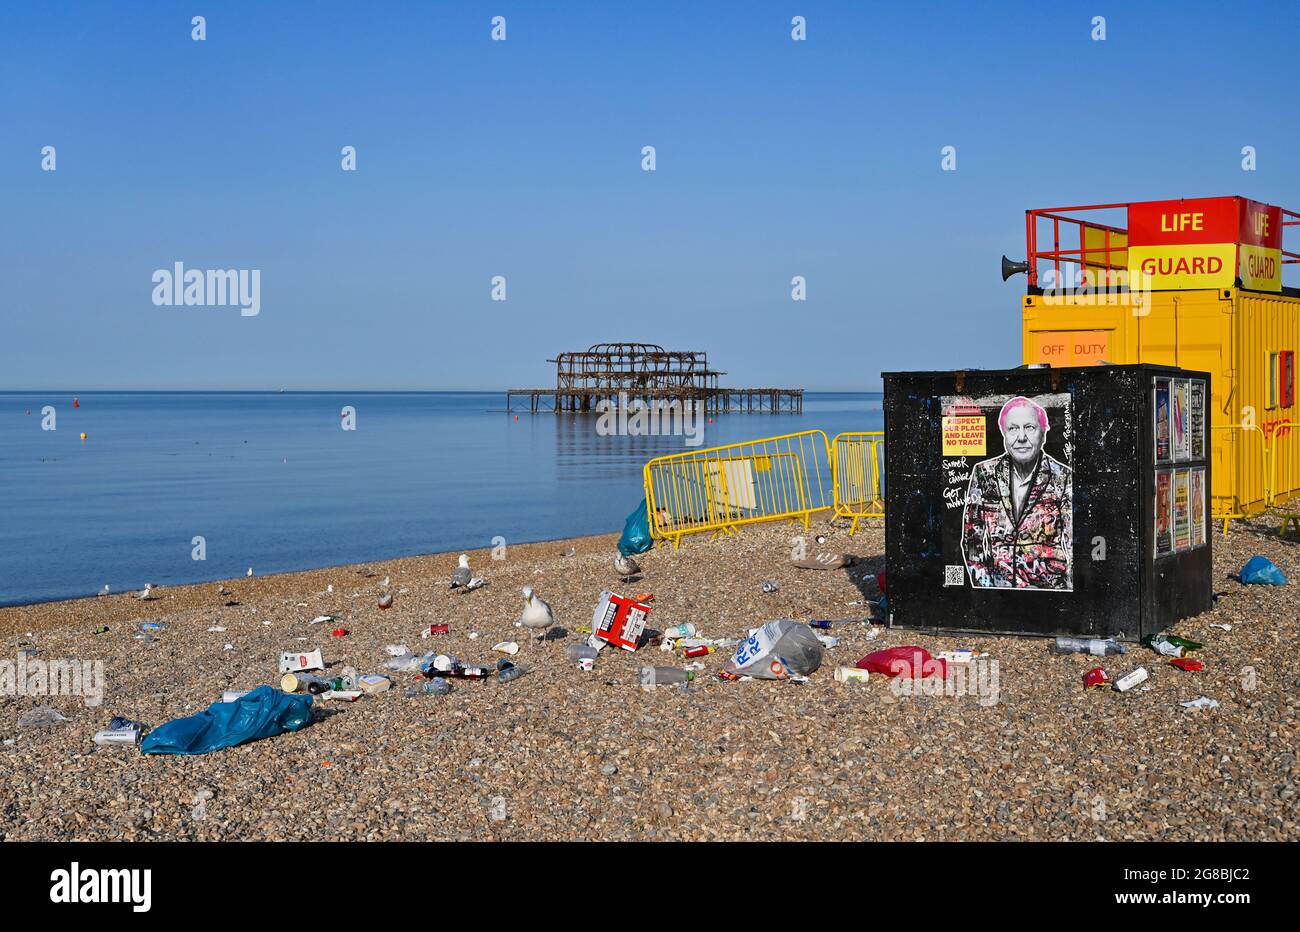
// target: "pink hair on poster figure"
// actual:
[[1016, 403]]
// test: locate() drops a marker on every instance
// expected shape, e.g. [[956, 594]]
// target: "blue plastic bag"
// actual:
[[263, 713], [1261, 571], [636, 532]]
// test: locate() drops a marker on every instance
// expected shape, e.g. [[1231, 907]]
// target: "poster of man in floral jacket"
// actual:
[[1017, 529]]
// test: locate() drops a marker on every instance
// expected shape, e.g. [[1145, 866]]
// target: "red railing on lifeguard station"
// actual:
[[1090, 244]]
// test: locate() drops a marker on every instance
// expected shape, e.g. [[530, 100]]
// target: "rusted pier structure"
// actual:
[[645, 372]]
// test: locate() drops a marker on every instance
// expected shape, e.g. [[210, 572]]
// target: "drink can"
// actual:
[[851, 675], [435, 629], [107, 736], [1095, 677]]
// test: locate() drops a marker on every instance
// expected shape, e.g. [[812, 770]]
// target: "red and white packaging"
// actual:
[[618, 620]]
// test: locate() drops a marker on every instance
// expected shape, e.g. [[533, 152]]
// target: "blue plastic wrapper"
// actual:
[[636, 532], [1261, 571], [263, 713]]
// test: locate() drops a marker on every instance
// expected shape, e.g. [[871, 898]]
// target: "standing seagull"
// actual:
[[148, 592], [462, 575], [626, 567], [104, 591], [537, 615]]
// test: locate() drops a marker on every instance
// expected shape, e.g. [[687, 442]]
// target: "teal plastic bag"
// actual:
[[1261, 571], [263, 713], [636, 532]]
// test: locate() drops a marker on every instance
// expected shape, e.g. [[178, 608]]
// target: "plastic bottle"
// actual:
[[666, 676], [578, 652], [1097, 647], [436, 687], [686, 630], [512, 672]]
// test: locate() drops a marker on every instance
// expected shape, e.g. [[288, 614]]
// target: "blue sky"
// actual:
[[522, 158]]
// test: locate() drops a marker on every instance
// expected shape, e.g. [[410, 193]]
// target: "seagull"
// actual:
[[626, 567], [462, 575], [537, 615], [384, 584], [148, 592], [104, 591], [250, 572]]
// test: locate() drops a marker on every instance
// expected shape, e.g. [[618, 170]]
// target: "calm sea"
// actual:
[[270, 480]]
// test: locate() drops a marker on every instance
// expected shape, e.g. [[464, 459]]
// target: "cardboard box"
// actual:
[[619, 621]]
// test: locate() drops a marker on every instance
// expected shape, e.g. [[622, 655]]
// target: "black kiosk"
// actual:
[[1048, 501]]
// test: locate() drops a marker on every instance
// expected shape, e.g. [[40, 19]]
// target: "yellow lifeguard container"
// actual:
[[1195, 283]]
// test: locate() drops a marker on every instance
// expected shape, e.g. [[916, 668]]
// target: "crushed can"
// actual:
[[1096, 677]]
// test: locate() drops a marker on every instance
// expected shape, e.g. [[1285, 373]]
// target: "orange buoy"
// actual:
[[76, 403]]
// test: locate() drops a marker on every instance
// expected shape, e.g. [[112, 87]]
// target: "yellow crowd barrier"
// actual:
[[858, 468], [722, 488]]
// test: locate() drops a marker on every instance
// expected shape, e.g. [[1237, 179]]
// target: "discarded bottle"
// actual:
[[230, 695], [436, 687], [1171, 645], [1097, 647], [665, 676], [681, 631], [153, 626], [702, 650], [511, 672], [820, 624], [293, 682], [579, 652], [459, 671]]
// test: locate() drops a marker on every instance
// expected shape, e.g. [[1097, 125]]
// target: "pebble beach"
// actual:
[[561, 754]]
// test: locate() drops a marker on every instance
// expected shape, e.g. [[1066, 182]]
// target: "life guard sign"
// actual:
[[1206, 243]]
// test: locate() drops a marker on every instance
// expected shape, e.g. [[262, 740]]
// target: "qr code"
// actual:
[[954, 575]]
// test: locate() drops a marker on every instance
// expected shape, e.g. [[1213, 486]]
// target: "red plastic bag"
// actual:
[[908, 661]]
